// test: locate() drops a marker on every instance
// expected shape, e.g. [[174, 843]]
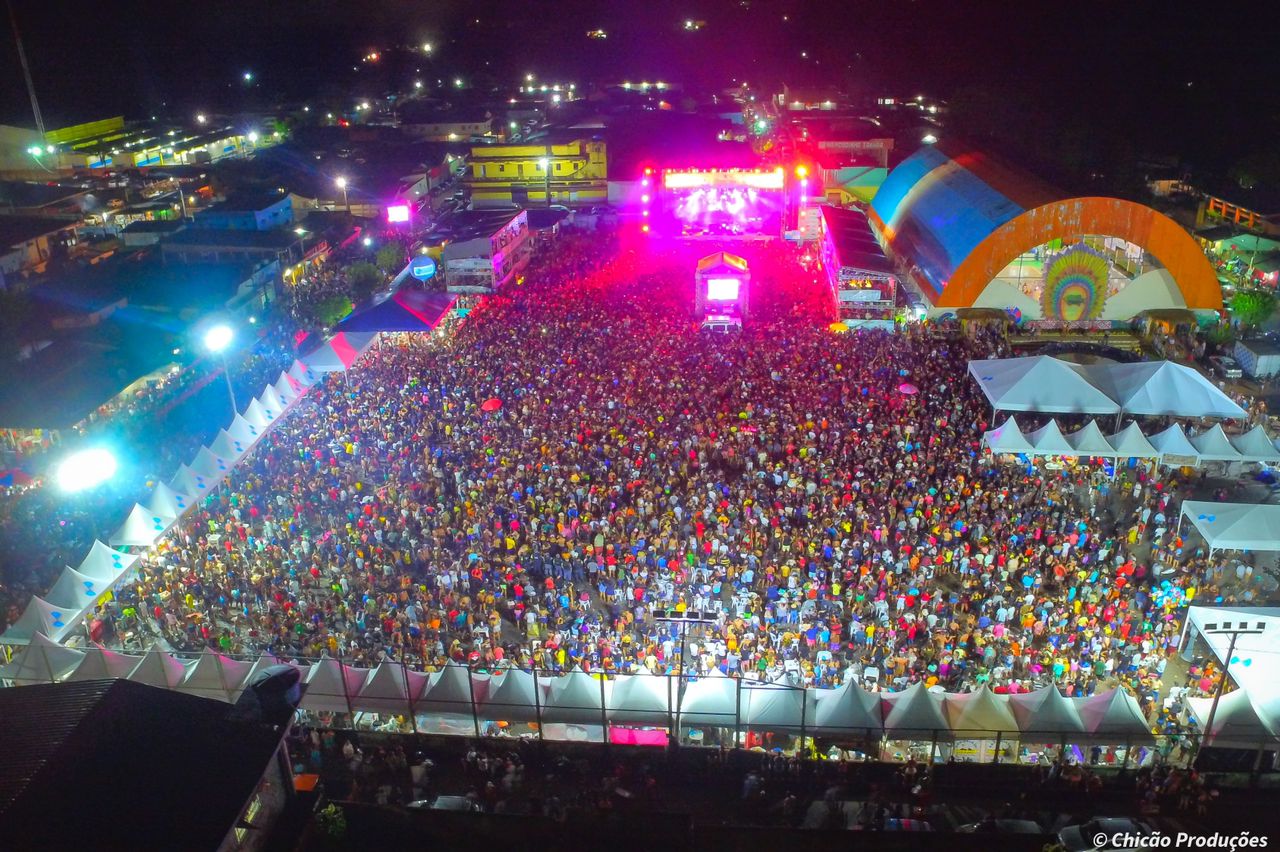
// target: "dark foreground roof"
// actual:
[[114, 764]]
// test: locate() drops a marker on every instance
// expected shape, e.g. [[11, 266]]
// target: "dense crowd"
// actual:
[[780, 478]]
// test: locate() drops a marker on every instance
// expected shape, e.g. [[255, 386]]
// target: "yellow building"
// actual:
[[575, 172]]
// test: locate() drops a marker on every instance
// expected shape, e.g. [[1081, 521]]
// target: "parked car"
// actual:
[[1002, 826], [1226, 366], [446, 803], [1100, 835]]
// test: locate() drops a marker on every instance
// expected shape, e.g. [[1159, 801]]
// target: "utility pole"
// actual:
[[1235, 630], [26, 71], [682, 620]]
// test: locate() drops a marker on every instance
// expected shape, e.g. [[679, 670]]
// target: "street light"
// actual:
[[929, 139], [248, 76], [427, 47], [216, 340], [201, 118], [86, 469], [253, 137], [458, 82], [342, 185], [545, 163], [417, 84]]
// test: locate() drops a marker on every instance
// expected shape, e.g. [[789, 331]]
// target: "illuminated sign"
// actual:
[[722, 289], [422, 268], [731, 177], [398, 213]]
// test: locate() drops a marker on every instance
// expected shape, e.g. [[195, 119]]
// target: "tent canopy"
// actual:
[[1213, 445], [1047, 384], [42, 661], [1089, 441], [1113, 717], [1039, 383], [1048, 440], [640, 699], [1236, 724], [576, 699], [1174, 442], [408, 309], [335, 355], [1130, 443], [979, 713], [141, 529], [915, 713], [847, 709], [512, 697], [1046, 711], [1007, 438], [1255, 446], [1235, 526]]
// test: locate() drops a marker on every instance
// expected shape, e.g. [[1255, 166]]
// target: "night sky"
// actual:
[[1085, 69]]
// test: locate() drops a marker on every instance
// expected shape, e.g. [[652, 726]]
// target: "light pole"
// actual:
[[682, 620], [1235, 630], [546, 163], [342, 185], [216, 340]]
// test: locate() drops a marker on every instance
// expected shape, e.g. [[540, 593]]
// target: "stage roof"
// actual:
[[959, 216], [405, 310]]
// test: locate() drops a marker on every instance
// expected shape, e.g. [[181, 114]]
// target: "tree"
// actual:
[[331, 309], [1252, 307], [364, 279], [390, 258]]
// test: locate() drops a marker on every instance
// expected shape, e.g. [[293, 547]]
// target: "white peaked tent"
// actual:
[[1235, 526], [576, 699], [641, 699], [40, 618], [511, 697], [1255, 446], [1007, 438], [1213, 445], [75, 591], [914, 714], [288, 389], [1089, 441], [1130, 443], [331, 686], [1048, 440], [242, 430], [215, 676], [1262, 673], [106, 563], [158, 668], [1174, 442], [1236, 724], [255, 414], [43, 661], [303, 375], [981, 713], [196, 484], [1113, 717], [1039, 383], [448, 693], [781, 709], [711, 701], [226, 447], [169, 503], [1046, 712], [339, 352], [849, 710], [1163, 388], [101, 664], [141, 529], [210, 465], [389, 689], [271, 402]]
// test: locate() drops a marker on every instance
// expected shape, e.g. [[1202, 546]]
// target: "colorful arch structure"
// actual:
[[958, 216]]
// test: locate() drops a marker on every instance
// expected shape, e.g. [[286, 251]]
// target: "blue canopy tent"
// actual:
[[403, 310]]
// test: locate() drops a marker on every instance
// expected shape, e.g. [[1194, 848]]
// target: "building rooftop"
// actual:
[[279, 239], [27, 194], [855, 245], [15, 230], [113, 764]]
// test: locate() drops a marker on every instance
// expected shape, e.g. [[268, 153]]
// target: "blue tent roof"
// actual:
[[404, 310], [943, 200]]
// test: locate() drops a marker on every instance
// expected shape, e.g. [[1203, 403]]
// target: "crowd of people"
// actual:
[[836, 526]]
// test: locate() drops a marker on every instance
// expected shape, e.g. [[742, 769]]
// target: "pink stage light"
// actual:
[[398, 213], [722, 289]]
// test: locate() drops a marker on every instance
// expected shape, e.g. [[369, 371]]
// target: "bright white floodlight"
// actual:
[[218, 338], [86, 469]]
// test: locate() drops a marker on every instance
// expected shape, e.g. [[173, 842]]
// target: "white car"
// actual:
[[1102, 834]]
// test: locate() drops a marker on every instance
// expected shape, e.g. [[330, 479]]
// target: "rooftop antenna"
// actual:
[[26, 70]]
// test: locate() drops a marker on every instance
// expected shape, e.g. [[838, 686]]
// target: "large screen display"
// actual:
[[722, 289], [728, 202]]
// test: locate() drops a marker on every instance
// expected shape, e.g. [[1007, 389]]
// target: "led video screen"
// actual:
[[722, 203], [722, 289]]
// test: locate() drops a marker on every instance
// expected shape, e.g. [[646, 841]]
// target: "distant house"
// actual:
[[260, 212], [27, 243]]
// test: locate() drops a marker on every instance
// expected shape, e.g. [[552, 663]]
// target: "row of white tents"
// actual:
[[78, 590], [1051, 385], [577, 698], [1173, 446]]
